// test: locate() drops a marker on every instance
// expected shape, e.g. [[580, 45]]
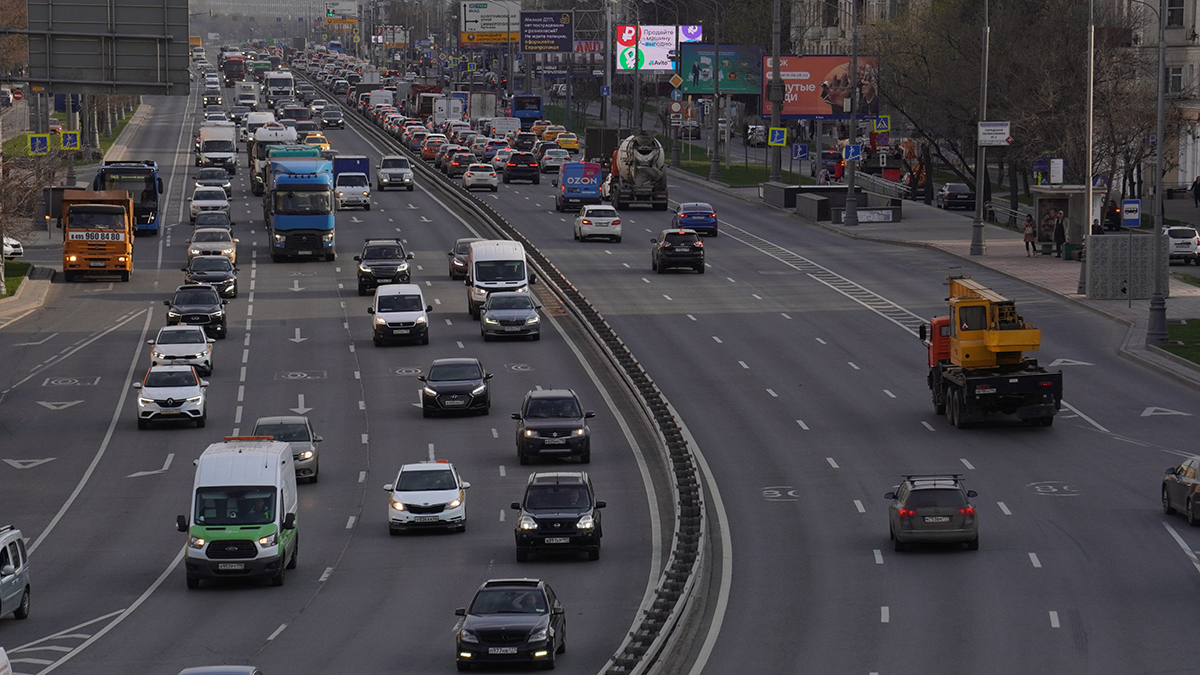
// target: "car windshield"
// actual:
[[214, 264], [500, 270], [394, 163], [305, 202], [485, 168], [510, 302], [352, 180], [383, 253], [209, 196], [218, 146], [318, 103], [556, 497], [181, 337], [413, 481], [451, 372], [601, 213], [935, 498], [85, 220], [696, 208], [212, 235], [197, 296], [552, 407], [331, 114], [212, 219], [288, 432], [463, 247], [677, 238], [235, 506], [399, 303], [957, 187], [498, 601], [170, 378], [213, 174]]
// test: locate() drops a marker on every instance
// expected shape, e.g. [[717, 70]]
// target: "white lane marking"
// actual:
[[802, 424], [666, 296], [859, 505], [626, 265], [885, 614], [362, 476], [878, 556], [1187, 550], [730, 280], [927, 425], [325, 574], [819, 340], [502, 515], [237, 415], [242, 375], [432, 457], [357, 375], [1004, 508], [717, 340], [437, 301], [495, 434], [350, 522], [853, 366], [772, 393], [743, 365], [832, 463], [1033, 558], [502, 474], [1154, 410], [691, 317], [784, 315], [756, 296], [245, 356], [1089, 420], [278, 631], [460, 345], [890, 394], [39, 342], [351, 348], [362, 405], [967, 464], [241, 392], [364, 439], [166, 466], [1054, 619], [645, 280]]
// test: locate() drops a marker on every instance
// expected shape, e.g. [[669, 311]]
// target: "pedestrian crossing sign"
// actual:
[[777, 136], [39, 144], [69, 140], [883, 124]]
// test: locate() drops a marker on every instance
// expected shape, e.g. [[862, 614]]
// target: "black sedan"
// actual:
[[455, 385], [511, 621], [215, 271], [510, 314], [955, 196]]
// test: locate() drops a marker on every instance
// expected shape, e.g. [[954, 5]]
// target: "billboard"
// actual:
[[816, 87], [691, 33], [739, 69], [489, 21], [543, 32], [652, 45]]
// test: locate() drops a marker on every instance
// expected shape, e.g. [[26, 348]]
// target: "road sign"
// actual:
[[799, 151], [1131, 212], [676, 95], [676, 116], [883, 124], [489, 21], [18, 95], [675, 80], [471, 67], [676, 107], [39, 144], [605, 91], [883, 140], [994, 134], [777, 136], [356, 39], [852, 153], [69, 140]]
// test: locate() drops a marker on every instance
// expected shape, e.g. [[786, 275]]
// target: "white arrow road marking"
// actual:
[[166, 465], [425, 220], [297, 339], [354, 219], [1162, 411], [299, 409], [1068, 362], [39, 342], [58, 405], [413, 206], [102, 289], [296, 285], [27, 463]]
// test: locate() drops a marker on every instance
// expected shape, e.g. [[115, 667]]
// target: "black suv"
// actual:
[[382, 261], [511, 621], [522, 166], [932, 509], [677, 248], [553, 424], [198, 305], [332, 118], [559, 513], [215, 271]]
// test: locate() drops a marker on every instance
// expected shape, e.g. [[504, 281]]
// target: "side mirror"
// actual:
[[589, 415], [181, 523], [554, 182], [410, 256], [289, 521], [150, 342], [923, 332], [466, 485], [203, 383], [557, 609], [515, 506], [428, 308], [224, 302], [237, 241], [317, 439], [358, 258], [450, 253], [653, 240], [889, 495], [167, 303], [488, 376], [972, 493], [516, 416], [237, 269], [467, 281], [136, 385], [389, 487], [461, 611], [601, 504], [370, 310], [421, 378], [1171, 470], [183, 269], [532, 278]]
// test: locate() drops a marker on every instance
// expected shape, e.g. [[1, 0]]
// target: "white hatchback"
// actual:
[[481, 175], [598, 221]]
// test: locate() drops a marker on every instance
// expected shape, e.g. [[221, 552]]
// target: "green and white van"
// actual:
[[243, 517]]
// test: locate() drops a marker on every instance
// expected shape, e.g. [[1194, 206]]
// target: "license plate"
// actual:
[[96, 264], [401, 331], [682, 248], [426, 519], [555, 441], [985, 390], [937, 519], [451, 404], [169, 411], [512, 329], [228, 567], [502, 650], [304, 253], [558, 540]]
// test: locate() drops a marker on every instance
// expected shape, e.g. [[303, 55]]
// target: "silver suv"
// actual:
[[932, 509], [1184, 241], [394, 171], [14, 573]]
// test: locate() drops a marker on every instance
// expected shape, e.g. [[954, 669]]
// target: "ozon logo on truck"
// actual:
[[579, 180]]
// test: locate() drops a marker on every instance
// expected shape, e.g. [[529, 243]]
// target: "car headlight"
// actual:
[[174, 314], [307, 454], [527, 523], [380, 321], [145, 401], [467, 635], [218, 314], [490, 321], [420, 319], [366, 193], [280, 238], [269, 540], [227, 251], [194, 251], [457, 501], [192, 399], [586, 523], [402, 267], [399, 506], [364, 269], [530, 433], [327, 238], [577, 432], [159, 355], [196, 542], [429, 392], [533, 319], [479, 390], [341, 194], [519, 289]]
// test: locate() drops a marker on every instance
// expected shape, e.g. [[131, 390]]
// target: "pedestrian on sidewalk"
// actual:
[[1096, 227], [1060, 233], [1030, 236], [1196, 191], [823, 177]]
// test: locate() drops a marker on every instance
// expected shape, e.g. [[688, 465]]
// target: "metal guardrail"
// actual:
[[1003, 215], [660, 613], [873, 183]]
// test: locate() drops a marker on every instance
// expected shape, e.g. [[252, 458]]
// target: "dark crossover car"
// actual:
[[382, 261], [677, 248], [511, 621], [215, 177], [558, 514], [458, 257], [955, 196], [215, 271], [696, 216], [1181, 491], [510, 314], [198, 305], [332, 118], [522, 166], [455, 385], [552, 423], [934, 509]]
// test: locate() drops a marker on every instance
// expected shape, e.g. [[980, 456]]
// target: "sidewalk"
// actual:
[[950, 232]]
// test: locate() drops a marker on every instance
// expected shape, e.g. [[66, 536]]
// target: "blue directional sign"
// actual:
[[1131, 212], [799, 151], [39, 144], [883, 124], [605, 91], [852, 153], [676, 95], [777, 136], [69, 140]]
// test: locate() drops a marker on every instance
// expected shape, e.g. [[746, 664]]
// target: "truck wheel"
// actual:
[[124, 276], [278, 579], [973, 545], [939, 408], [367, 207], [537, 180], [959, 423], [193, 582], [1166, 503], [951, 409]]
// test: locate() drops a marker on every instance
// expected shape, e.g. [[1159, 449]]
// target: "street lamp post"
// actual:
[[775, 93], [850, 217], [977, 244], [714, 167], [1156, 329]]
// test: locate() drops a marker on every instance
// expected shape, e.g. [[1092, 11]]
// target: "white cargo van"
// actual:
[[218, 146], [503, 126], [495, 265], [242, 522]]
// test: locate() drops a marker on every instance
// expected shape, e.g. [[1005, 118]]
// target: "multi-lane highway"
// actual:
[[792, 362]]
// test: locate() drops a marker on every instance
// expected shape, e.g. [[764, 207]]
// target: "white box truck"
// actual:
[[242, 522], [247, 94]]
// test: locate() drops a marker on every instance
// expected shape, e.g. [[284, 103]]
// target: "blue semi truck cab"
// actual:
[[298, 209], [141, 180]]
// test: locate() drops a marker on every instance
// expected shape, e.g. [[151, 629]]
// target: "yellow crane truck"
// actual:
[[977, 363]]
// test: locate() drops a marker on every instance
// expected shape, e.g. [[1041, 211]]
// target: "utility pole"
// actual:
[[1156, 330], [775, 92], [978, 247], [850, 217], [714, 167]]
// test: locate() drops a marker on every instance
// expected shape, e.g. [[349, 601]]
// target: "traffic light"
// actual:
[[328, 10]]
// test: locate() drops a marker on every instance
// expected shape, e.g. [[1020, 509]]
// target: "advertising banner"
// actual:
[[816, 87], [543, 32], [691, 33], [647, 44], [739, 69]]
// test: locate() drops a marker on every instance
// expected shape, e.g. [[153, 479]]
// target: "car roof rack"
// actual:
[[950, 477]]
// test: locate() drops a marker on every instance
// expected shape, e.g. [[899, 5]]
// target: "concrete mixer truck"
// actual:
[[638, 174]]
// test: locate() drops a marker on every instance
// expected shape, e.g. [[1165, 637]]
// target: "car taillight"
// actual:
[[616, 222], [585, 221], [712, 215], [511, 164], [907, 513], [698, 244], [969, 511]]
